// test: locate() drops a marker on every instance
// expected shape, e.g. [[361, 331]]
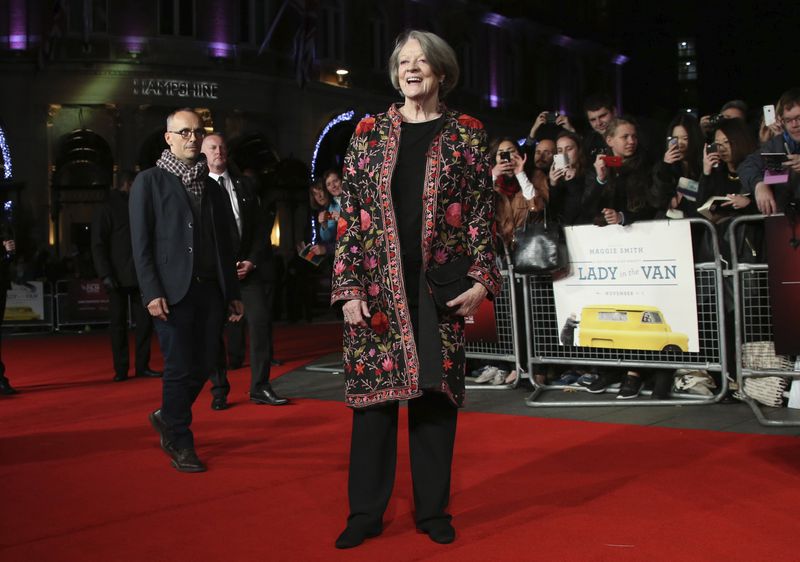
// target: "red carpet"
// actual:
[[83, 478]]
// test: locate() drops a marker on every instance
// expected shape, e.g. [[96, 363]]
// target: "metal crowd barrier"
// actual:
[[63, 318], [544, 348], [508, 337], [753, 323]]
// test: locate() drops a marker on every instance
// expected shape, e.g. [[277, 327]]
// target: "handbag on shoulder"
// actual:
[[449, 280], [539, 247]]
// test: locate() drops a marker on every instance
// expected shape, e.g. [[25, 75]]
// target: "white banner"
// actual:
[[629, 287], [25, 302]]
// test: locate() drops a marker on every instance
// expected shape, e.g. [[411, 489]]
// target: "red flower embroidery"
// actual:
[[469, 121], [380, 323], [447, 364], [366, 220], [341, 227], [453, 215], [360, 368], [365, 125]]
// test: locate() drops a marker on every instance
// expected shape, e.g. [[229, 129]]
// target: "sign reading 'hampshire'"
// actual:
[[175, 88]]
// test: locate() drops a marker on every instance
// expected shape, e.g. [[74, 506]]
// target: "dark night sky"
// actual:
[[747, 50]]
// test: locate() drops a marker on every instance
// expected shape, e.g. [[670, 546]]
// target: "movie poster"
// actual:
[[783, 258], [25, 303], [630, 287]]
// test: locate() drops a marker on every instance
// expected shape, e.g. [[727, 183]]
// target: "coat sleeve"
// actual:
[[141, 213], [480, 215], [347, 281]]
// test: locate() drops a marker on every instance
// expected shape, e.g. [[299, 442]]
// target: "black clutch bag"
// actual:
[[539, 247], [448, 281]]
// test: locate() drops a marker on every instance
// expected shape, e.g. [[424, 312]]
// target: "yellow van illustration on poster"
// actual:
[[629, 287]]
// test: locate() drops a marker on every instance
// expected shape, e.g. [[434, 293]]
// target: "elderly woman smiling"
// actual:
[[417, 196]]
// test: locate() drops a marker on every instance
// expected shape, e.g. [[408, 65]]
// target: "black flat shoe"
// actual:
[[352, 537], [149, 373], [219, 403], [440, 531], [267, 396]]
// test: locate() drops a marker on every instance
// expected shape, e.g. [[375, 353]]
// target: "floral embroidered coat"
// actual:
[[380, 360]]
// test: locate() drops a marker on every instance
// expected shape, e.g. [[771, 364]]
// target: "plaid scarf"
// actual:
[[193, 179], [508, 186]]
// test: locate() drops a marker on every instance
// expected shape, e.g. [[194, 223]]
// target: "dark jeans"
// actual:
[[373, 459], [189, 341], [118, 318], [257, 298]]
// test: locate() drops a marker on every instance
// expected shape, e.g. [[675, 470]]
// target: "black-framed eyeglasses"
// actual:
[[187, 133]]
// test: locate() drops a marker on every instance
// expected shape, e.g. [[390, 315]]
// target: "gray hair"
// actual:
[[181, 110], [440, 55]]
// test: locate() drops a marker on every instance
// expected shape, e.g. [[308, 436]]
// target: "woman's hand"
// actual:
[[318, 250], [765, 199], [540, 120], [356, 312], [518, 162], [556, 174], [710, 161], [563, 122], [737, 201], [322, 217], [503, 169], [469, 301], [612, 216], [672, 154], [601, 168]]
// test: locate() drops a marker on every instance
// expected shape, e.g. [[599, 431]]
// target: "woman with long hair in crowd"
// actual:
[[682, 163], [567, 182], [515, 195]]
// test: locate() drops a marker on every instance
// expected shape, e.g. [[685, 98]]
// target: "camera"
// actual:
[[612, 161], [715, 120], [552, 116]]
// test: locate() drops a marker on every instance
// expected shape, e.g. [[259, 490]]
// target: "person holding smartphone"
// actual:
[[676, 175], [567, 179], [515, 192]]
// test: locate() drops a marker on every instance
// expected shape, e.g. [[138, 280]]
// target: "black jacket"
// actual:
[[162, 236], [111, 241]]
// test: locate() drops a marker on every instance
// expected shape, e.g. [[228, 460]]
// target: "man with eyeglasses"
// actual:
[[186, 275], [254, 267], [772, 192]]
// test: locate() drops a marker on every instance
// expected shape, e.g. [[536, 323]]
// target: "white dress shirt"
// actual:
[[231, 189]]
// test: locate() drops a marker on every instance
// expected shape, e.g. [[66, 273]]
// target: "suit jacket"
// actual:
[[162, 236], [253, 243], [111, 241]]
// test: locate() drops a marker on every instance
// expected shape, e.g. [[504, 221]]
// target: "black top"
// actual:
[[408, 183], [205, 259], [408, 187]]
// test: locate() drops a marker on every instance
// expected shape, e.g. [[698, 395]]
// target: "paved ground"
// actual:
[[733, 417]]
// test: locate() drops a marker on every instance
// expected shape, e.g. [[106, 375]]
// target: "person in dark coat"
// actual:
[[113, 262], [253, 251], [417, 195], [180, 225]]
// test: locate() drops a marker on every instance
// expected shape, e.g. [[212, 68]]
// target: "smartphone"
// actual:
[[505, 156], [551, 116], [769, 115], [671, 141], [713, 147], [559, 161], [612, 161]]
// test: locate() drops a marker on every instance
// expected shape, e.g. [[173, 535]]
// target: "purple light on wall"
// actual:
[[563, 41], [219, 19], [619, 59], [220, 50], [134, 45], [17, 25], [494, 100], [495, 20]]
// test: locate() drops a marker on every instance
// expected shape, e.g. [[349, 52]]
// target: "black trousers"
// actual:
[[257, 298], [373, 459], [189, 341], [118, 319]]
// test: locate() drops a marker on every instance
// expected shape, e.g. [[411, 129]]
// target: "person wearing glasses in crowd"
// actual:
[[772, 198], [180, 224]]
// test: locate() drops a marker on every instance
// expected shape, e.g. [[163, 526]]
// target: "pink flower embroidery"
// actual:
[[387, 364], [370, 262], [338, 267], [366, 220], [374, 290], [372, 352], [440, 255], [469, 157], [353, 249], [452, 215], [473, 232]]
